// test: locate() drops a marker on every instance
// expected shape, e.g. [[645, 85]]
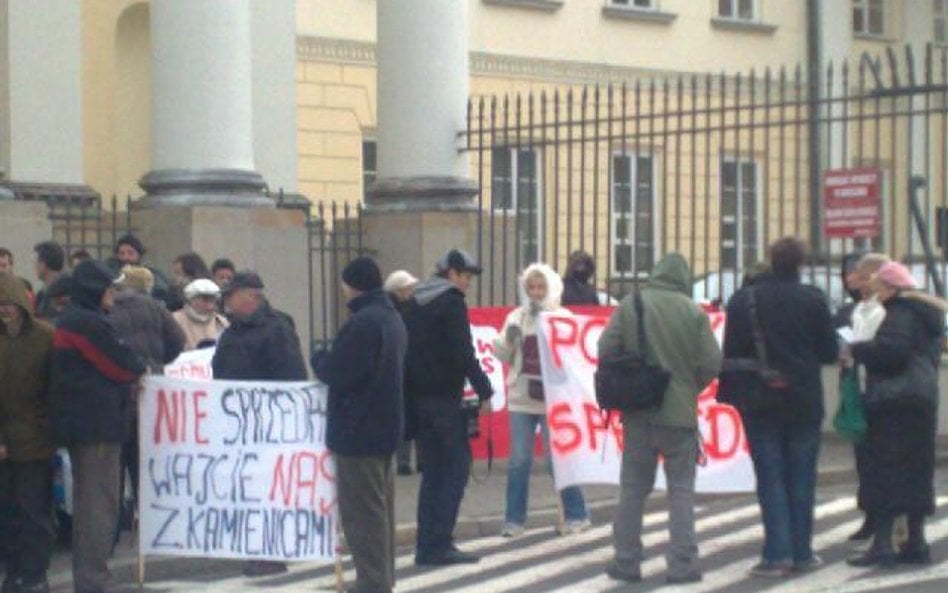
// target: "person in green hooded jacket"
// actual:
[[26, 443], [678, 338]]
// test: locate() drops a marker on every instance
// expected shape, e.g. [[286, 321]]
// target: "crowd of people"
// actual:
[[72, 353]]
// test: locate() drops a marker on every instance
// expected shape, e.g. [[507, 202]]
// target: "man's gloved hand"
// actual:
[[483, 388]]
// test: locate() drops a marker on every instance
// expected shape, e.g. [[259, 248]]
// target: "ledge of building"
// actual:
[[743, 26], [422, 193], [52, 192], [546, 5], [638, 14], [204, 187], [875, 38]]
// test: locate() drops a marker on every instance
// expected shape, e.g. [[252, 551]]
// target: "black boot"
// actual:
[[864, 532], [915, 550], [881, 553]]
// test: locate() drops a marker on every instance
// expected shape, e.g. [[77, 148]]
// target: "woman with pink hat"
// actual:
[[901, 400]]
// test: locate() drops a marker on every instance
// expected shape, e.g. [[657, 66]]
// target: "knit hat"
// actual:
[[896, 275], [201, 287], [138, 278], [362, 274], [398, 280]]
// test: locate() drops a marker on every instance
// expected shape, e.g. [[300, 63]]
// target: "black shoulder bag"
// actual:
[[628, 382], [751, 383]]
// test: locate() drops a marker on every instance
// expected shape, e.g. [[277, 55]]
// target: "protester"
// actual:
[[400, 286], [199, 319], [145, 325], [902, 362], [783, 425], [865, 312], [440, 357], [259, 345], [679, 339], [364, 373], [577, 289], [26, 445], [91, 375], [6, 267], [50, 260], [58, 294], [222, 272], [518, 347], [129, 251], [185, 269], [78, 256]]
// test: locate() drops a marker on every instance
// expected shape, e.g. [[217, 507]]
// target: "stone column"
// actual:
[[202, 102]]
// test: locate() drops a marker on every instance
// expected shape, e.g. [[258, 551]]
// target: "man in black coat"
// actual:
[[259, 345], [91, 374], [364, 372], [440, 357], [784, 435]]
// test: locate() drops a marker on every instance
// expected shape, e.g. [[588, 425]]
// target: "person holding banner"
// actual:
[[259, 345], [440, 357], [681, 341], [518, 347], [364, 372], [89, 400]]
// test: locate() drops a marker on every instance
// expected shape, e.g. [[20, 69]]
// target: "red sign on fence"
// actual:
[[851, 202]]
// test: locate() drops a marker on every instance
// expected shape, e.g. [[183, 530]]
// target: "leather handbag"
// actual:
[[628, 382]]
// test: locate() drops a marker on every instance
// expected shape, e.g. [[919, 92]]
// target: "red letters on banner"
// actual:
[[173, 416]]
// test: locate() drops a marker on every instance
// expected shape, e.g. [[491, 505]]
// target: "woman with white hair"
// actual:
[[199, 319]]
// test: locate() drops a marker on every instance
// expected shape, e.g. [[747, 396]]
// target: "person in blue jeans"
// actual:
[[517, 346], [783, 420]]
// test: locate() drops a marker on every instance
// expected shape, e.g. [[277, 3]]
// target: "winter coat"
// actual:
[[365, 374], [578, 293], [196, 330], [262, 347], [526, 320], [147, 327], [92, 369], [678, 337], [440, 352], [25, 361], [799, 334]]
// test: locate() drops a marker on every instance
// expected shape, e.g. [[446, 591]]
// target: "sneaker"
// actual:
[[616, 573], [771, 570], [512, 530], [874, 558], [918, 554], [814, 563], [574, 527], [683, 579]]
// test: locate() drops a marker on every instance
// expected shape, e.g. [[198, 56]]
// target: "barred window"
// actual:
[[515, 189], [633, 214], [739, 214], [868, 17]]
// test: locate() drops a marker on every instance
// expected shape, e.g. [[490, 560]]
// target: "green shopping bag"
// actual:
[[850, 418]]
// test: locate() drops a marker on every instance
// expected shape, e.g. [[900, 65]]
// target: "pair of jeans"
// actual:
[[523, 428], [26, 491], [785, 455], [445, 454], [644, 443]]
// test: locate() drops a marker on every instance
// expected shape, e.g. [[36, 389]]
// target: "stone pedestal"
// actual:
[[273, 242], [23, 225]]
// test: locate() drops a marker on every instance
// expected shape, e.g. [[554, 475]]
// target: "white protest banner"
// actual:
[[193, 364], [585, 450], [236, 470]]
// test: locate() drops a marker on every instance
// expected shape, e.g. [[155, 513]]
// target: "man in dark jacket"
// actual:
[[440, 357], [364, 372], [784, 432], [130, 251], [26, 445], [92, 372], [259, 345], [50, 259], [576, 287]]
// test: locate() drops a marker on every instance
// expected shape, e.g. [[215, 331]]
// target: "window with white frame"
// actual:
[[369, 165], [637, 4], [515, 189], [869, 17], [940, 18], [633, 213], [738, 10], [740, 236]]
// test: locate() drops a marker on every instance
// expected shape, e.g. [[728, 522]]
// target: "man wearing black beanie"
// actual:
[[364, 373]]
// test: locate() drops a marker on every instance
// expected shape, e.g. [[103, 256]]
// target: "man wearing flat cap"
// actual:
[[259, 345], [364, 425]]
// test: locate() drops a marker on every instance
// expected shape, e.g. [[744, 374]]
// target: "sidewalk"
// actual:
[[482, 511]]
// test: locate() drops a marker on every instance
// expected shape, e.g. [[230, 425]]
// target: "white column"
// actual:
[[202, 104], [422, 99]]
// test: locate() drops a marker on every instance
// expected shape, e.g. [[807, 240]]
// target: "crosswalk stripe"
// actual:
[[653, 566]]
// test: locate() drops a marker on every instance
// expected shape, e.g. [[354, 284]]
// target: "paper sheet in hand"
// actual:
[[846, 333]]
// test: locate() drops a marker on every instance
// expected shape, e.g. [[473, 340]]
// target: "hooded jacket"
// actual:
[[92, 369], [25, 361], [440, 352], [261, 347], [678, 337], [144, 323], [364, 371], [509, 345]]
